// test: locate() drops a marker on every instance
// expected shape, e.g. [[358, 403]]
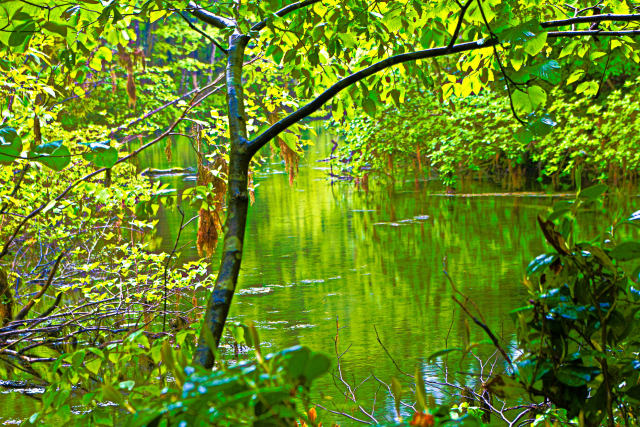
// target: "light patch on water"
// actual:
[[307, 281], [302, 326], [255, 291]]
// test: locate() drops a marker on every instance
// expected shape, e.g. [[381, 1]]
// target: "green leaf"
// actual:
[[626, 251], [10, 145], [540, 263], [56, 28], [93, 365], [421, 391], [521, 102], [54, 155], [22, 33], [290, 139], [549, 71], [396, 390], [537, 96], [317, 365], [521, 33], [369, 107], [101, 155], [535, 45], [575, 76], [575, 376], [524, 135], [542, 126], [593, 192], [296, 360], [634, 392]]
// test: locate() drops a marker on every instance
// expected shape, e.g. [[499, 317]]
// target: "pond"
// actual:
[[320, 256]]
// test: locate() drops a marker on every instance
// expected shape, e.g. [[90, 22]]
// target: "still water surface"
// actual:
[[318, 255]]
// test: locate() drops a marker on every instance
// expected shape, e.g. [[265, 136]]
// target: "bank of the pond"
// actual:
[[577, 138]]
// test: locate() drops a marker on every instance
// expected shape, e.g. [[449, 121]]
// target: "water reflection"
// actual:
[[318, 256]]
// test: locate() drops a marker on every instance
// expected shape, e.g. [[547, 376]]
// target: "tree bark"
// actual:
[[238, 205]]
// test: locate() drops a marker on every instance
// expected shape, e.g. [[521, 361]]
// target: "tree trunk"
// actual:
[[212, 60], [238, 205]]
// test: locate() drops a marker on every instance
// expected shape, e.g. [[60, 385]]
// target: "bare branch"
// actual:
[[282, 12], [463, 10], [25, 310], [208, 17], [591, 19], [592, 33], [211, 39]]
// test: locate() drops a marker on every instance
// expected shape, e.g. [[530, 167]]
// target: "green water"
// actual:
[[318, 255]]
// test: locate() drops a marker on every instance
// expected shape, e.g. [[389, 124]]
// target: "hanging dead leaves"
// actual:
[[290, 157], [210, 174], [130, 60]]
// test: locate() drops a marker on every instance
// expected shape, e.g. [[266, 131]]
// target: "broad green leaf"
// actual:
[[626, 251], [521, 102], [540, 263], [549, 71], [290, 139], [575, 76], [56, 28], [55, 155], [593, 192], [542, 126], [520, 33], [101, 155], [22, 33], [535, 45], [537, 96], [575, 376], [10, 145], [369, 107], [94, 365], [317, 365]]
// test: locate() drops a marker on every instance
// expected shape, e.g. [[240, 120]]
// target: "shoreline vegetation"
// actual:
[[528, 95]]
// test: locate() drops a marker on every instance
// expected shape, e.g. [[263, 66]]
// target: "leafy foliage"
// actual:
[[579, 334], [477, 134]]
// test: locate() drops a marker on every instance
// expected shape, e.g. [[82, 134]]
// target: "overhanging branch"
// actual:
[[583, 33], [591, 19], [262, 139]]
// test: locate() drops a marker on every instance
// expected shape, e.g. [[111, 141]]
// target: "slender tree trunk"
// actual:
[[150, 28], [238, 205], [212, 60]]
